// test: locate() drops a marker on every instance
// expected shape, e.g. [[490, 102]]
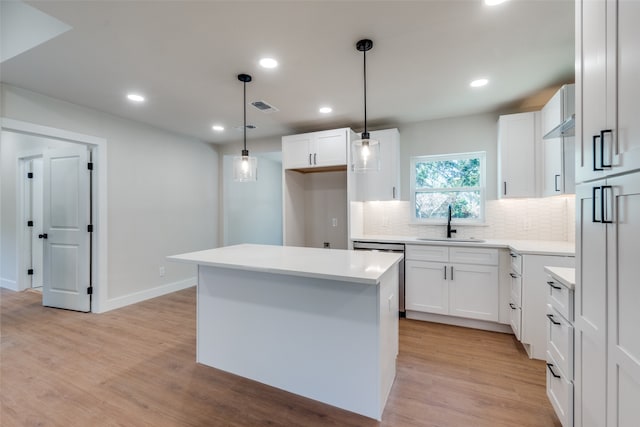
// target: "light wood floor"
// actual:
[[136, 367]]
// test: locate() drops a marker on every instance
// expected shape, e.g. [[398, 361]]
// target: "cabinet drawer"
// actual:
[[560, 393], [465, 255], [427, 253], [516, 262], [560, 341], [516, 288], [560, 297], [515, 319]]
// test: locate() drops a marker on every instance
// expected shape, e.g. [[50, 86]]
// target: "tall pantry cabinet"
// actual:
[[607, 295]]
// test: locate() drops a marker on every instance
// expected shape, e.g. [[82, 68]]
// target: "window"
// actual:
[[452, 179]]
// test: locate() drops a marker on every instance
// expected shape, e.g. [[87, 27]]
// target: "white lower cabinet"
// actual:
[[560, 393], [560, 344], [437, 282], [528, 302]]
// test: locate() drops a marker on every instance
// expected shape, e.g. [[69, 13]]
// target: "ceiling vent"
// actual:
[[264, 107]]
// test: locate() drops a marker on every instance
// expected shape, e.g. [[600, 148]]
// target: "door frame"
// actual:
[[99, 246]]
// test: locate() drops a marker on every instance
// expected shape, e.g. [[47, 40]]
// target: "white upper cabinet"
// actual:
[[558, 156], [315, 149], [517, 135], [607, 125], [385, 183]]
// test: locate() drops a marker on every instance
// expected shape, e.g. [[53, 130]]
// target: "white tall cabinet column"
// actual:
[[607, 296]]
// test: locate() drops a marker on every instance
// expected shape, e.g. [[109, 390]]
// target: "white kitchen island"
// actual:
[[321, 323]]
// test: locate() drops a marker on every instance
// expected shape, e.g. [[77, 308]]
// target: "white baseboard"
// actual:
[[9, 284], [460, 321], [123, 301]]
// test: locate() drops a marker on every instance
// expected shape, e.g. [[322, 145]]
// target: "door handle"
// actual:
[[445, 272], [505, 188], [452, 272], [310, 159], [42, 236], [513, 307], [314, 158], [513, 275], [556, 182]]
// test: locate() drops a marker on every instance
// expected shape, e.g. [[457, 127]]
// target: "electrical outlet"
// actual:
[[162, 271]]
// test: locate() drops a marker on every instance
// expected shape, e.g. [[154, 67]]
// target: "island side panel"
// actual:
[[313, 337], [389, 345]]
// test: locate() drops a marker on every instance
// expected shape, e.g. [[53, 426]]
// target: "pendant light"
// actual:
[[245, 168], [365, 152]]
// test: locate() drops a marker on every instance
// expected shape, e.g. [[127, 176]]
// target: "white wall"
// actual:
[[452, 135], [162, 193], [253, 210]]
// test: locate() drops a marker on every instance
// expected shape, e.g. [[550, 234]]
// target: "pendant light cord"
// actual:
[[244, 104], [364, 55]]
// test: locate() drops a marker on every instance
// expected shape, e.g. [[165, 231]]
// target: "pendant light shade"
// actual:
[[245, 168], [365, 152]]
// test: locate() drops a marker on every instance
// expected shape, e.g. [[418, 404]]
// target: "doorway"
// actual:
[[52, 246]]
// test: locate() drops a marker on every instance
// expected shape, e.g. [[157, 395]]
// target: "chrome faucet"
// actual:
[[449, 230]]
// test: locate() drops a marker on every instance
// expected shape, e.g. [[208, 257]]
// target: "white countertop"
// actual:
[[332, 264], [531, 247], [564, 275]]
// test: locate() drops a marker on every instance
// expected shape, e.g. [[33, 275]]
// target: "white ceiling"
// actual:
[[185, 56]]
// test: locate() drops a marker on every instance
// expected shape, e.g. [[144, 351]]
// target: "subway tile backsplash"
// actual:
[[550, 218]]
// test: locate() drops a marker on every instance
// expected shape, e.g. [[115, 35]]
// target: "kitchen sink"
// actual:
[[444, 239]]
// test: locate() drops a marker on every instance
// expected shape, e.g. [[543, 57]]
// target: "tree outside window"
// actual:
[[443, 180]]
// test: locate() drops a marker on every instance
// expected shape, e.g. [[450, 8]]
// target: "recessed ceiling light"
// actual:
[[494, 2], [325, 110], [268, 63], [479, 83], [217, 128], [135, 97]]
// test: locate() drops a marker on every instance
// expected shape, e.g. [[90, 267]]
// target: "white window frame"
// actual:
[[482, 155]]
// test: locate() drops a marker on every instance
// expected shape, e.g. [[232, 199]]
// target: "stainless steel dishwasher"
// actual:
[[388, 247]]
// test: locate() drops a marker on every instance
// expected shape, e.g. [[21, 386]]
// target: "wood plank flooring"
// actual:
[[136, 367]]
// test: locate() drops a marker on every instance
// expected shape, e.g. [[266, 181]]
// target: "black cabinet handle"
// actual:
[[594, 191], [513, 255], [310, 159], [445, 272], [43, 236], [551, 283], [550, 366], [513, 307], [515, 276], [602, 164], [602, 204], [552, 320], [314, 158], [505, 188], [595, 138], [394, 192], [556, 182], [452, 272]]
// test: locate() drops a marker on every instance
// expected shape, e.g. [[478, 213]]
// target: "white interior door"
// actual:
[[37, 246], [66, 239]]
